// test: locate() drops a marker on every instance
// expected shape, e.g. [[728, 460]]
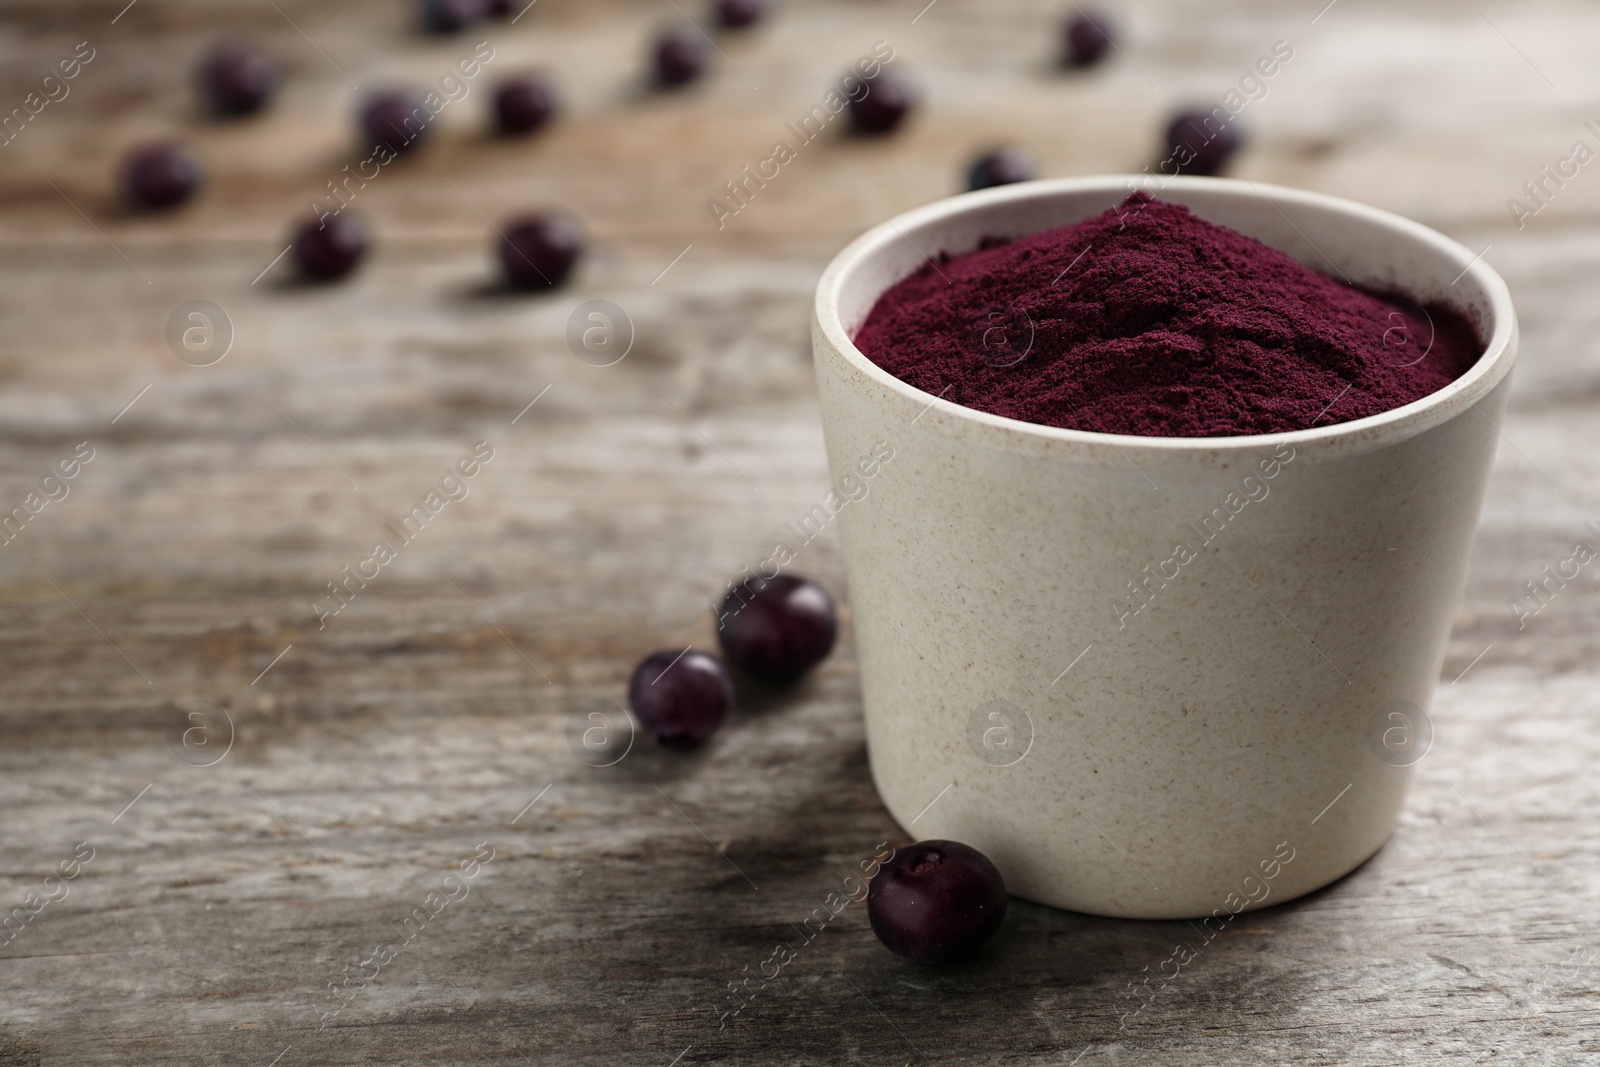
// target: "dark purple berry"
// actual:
[[680, 55], [737, 14], [1202, 142], [936, 901], [498, 9], [884, 105], [159, 175], [538, 251], [524, 103], [1003, 166], [395, 118], [680, 697], [777, 628], [1087, 38], [237, 78], [331, 248], [451, 16]]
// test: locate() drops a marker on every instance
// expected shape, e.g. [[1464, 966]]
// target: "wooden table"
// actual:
[[341, 772]]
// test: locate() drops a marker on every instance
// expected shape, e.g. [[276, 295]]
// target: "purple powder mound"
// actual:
[[1148, 320]]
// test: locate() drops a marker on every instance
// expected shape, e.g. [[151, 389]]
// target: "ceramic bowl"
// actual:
[[1155, 677]]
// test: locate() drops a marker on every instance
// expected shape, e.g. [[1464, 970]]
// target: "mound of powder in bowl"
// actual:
[[1149, 320]]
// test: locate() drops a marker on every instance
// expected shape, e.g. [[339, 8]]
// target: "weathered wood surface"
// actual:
[[378, 753]]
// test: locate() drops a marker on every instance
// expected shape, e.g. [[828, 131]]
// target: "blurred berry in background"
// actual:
[[679, 55], [236, 78], [524, 103], [395, 118], [1086, 38], [887, 101], [1003, 166], [538, 251], [330, 248], [1201, 142], [739, 14], [159, 175]]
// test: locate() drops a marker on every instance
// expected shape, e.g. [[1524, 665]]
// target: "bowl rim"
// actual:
[[999, 431]]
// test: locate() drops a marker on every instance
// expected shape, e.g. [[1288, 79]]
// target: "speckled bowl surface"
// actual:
[[1155, 677]]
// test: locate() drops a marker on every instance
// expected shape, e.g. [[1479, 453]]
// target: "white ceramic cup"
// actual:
[[1236, 728]]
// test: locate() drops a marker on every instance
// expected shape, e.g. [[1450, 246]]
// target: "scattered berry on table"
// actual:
[[237, 78], [884, 105], [737, 14], [524, 103], [396, 118], [159, 175], [1202, 142], [452, 16], [679, 55], [331, 248], [1003, 166], [538, 251], [1087, 38]]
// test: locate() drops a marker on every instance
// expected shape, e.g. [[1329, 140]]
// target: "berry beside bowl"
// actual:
[[776, 629], [936, 901], [680, 696]]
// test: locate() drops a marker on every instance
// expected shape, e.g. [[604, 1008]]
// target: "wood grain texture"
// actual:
[[381, 750]]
